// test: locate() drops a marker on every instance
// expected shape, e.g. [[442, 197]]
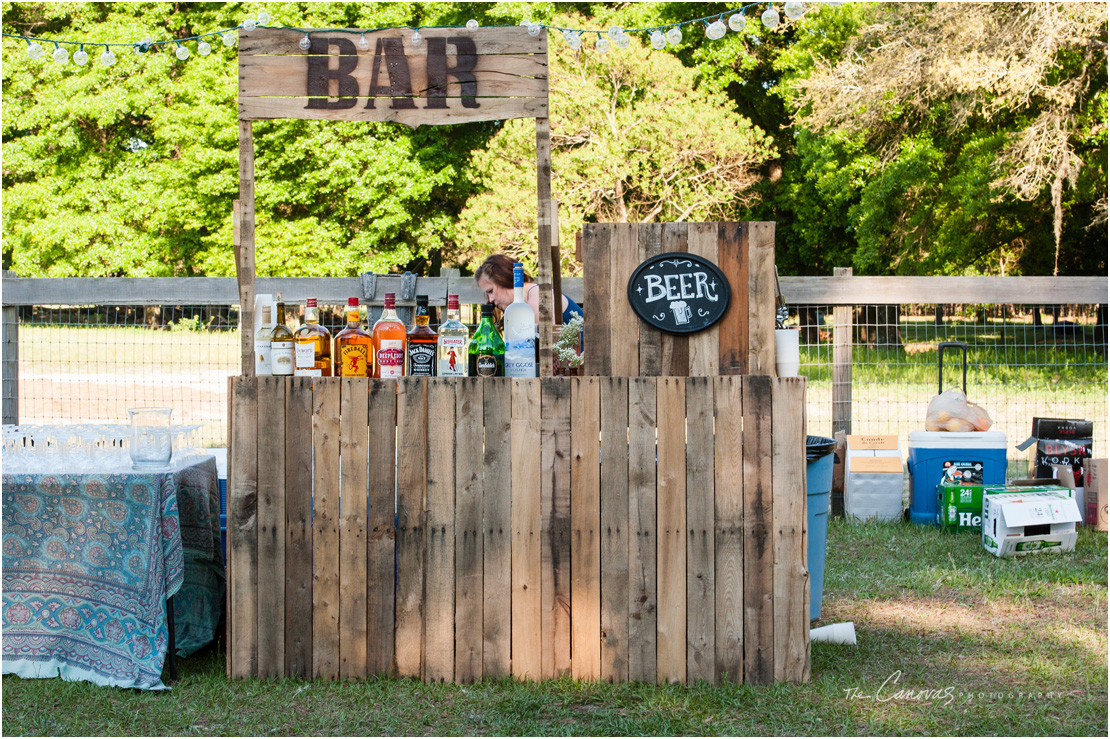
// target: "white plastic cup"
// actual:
[[834, 633], [788, 357]]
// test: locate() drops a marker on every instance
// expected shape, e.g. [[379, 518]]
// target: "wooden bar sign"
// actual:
[[445, 76]]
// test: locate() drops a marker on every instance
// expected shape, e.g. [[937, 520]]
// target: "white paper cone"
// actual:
[[834, 633]]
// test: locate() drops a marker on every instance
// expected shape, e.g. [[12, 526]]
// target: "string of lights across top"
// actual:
[[658, 36]]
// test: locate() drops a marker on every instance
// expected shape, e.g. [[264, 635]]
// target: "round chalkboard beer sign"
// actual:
[[679, 293]]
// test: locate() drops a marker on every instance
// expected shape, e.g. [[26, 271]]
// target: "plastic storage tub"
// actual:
[[933, 453], [819, 469]]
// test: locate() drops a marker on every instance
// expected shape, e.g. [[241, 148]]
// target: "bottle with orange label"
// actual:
[[389, 340], [353, 346]]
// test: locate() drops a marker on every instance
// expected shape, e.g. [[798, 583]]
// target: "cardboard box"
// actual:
[[1059, 441], [1066, 476], [1095, 485], [1016, 523], [960, 507]]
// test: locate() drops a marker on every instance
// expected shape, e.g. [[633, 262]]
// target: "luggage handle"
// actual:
[[940, 362]]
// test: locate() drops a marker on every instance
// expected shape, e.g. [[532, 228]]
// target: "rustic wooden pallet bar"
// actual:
[[608, 528]]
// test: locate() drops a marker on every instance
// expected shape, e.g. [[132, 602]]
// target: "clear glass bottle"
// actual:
[[520, 331], [420, 354], [353, 345], [262, 353], [389, 341], [452, 347], [487, 350], [312, 345], [281, 343]]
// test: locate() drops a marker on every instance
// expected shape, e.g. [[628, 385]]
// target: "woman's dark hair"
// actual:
[[498, 269]]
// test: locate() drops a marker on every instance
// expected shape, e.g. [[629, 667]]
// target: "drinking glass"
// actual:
[[151, 438]]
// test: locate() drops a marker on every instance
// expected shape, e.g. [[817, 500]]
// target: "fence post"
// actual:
[[10, 340], [842, 363]]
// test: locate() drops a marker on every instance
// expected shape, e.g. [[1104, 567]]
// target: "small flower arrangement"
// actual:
[[567, 357]]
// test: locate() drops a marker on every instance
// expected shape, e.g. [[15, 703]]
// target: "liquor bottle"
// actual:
[[520, 331], [262, 363], [312, 345], [352, 346], [389, 341], [420, 356], [487, 350], [454, 338], [281, 343]]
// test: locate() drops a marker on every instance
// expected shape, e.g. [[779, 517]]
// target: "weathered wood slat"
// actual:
[[732, 258], [649, 243], [729, 527], [675, 349], [412, 423], [497, 547], [242, 527], [614, 529], [9, 318], [700, 533], [641, 529], [325, 529], [526, 590], [671, 530], [380, 551], [298, 527], [271, 530], [791, 611], [491, 109], [353, 489], [555, 541], [469, 530], [493, 40], [596, 301], [623, 323], [585, 523], [761, 298], [705, 345], [440, 578], [843, 330], [759, 627]]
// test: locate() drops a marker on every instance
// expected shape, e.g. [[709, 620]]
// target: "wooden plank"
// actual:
[[595, 251], [761, 298], [791, 576], [244, 266], [705, 346], [759, 627], [242, 527], [411, 480], [440, 578], [671, 530], [497, 547], [325, 529], [526, 590], [642, 529], [492, 109], [468, 533], [729, 529], [585, 522], [298, 527], [546, 235], [354, 449], [843, 329], [614, 529], [10, 321], [271, 530], [649, 243], [488, 40], [732, 258], [700, 537], [555, 539], [675, 349], [623, 323], [381, 552]]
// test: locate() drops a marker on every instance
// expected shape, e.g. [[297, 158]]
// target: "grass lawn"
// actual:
[[952, 641]]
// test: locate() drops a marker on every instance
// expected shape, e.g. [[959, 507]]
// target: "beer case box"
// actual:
[[1026, 520], [960, 506], [1095, 486]]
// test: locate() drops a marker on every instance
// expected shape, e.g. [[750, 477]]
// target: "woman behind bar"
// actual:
[[495, 279]]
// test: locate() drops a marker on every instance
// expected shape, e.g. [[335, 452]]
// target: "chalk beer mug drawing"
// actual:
[[681, 311]]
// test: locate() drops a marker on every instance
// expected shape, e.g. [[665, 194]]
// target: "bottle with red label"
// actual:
[[352, 345], [390, 336]]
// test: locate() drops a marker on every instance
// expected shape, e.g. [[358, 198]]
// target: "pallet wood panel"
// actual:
[[705, 345], [596, 292], [623, 252], [325, 529], [614, 529], [671, 530], [700, 532], [271, 532], [380, 523], [761, 298], [439, 581], [497, 502], [585, 523], [649, 242], [298, 528], [675, 350], [353, 487], [642, 529], [732, 258], [412, 424], [759, 626], [526, 590], [494, 40], [469, 533], [242, 528], [791, 607], [555, 394], [728, 502]]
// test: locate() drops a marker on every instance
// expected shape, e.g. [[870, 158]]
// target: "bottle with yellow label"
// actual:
[[352, 346]]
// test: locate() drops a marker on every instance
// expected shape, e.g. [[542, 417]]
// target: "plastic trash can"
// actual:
[[819, 472]]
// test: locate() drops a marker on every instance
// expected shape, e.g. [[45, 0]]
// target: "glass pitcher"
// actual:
[[151, 439]]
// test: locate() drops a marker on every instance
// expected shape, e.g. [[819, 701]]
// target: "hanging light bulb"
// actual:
[[472, 25], [616, 32], [624, 41], [574, 40], [715, 30], [61, 56], [80, 57], [736, 22], [34, 50], [249, 24], [228, 39], [658, 40], [416, 38], [674, 36], [770, 17], [107, 58], [204, 48], [534, 29], [363, 44], [306, 43], [263, 18], [795, 10], [602, 44], [181, 52]]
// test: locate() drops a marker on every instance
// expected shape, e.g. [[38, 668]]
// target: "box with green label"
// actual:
[[1023, 520], [960, 507]]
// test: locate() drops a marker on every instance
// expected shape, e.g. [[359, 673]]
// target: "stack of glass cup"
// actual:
[[87, 447]]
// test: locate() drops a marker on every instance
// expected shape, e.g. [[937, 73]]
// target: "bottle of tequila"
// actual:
[[452, 349]]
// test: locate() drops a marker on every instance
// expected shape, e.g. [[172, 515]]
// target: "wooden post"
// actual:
[[556, 265], [244, 252], [543, 250], [10, 340], [842, 363]]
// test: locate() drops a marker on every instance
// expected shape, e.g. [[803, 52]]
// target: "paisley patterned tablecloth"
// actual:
[[89, 560]]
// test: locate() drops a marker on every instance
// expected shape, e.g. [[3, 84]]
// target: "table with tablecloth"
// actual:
[[89, 560]]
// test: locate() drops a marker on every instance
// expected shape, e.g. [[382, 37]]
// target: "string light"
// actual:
[[181, 52], [715, 30], [362, 43], [674, 36], [204, 48], [61, 56], [658, 40], [263, 18], [249, 24], [34, 49], [770, 17], [737, 21], [472, 25], [794, 10], [602, 44], [228, 39], [107, 58], [306, 43], [417, 39]]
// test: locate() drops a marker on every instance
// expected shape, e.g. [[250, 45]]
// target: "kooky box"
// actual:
[[1056, 441], [1022, 521]]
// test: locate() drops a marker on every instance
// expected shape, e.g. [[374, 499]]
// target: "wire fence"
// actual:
[[90, 364]]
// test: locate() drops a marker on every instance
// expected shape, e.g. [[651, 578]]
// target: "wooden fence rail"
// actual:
[[608, 528]]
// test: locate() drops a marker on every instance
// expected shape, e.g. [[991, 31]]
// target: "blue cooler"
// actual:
[[819, 469], [969, 458]]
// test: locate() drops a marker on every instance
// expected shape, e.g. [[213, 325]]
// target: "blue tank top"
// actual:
[[572, 307]]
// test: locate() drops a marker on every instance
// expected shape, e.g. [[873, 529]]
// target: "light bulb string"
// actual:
[[177, 42]]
